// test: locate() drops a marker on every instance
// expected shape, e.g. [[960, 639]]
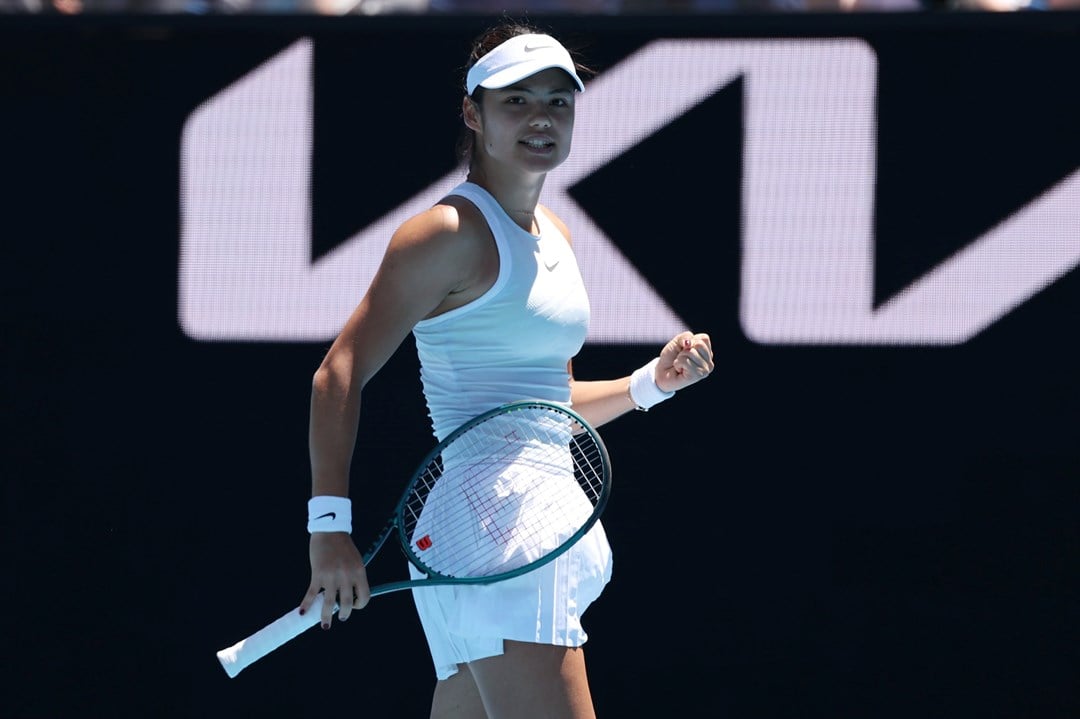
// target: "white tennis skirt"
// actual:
[[464, 623]]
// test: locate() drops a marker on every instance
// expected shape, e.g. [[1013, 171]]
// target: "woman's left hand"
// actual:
[[686, 359]]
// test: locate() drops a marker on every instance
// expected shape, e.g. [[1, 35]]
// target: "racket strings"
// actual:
[[505, 494]]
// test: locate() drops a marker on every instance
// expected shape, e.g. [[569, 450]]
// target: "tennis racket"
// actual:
[[505, 493]]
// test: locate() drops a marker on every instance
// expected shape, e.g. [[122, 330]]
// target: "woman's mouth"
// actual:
[[537, 143]]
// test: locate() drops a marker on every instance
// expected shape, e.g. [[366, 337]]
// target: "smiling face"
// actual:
[[526, 126]]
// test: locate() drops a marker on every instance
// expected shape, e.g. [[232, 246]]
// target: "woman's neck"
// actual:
[[517, 198]]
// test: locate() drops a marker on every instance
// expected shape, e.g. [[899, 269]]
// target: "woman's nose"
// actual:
[[541, 119]]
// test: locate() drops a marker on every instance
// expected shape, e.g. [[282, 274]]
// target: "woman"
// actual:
[[487, 282]]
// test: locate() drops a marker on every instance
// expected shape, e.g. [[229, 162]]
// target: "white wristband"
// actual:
[[643, 390], [329, 514]]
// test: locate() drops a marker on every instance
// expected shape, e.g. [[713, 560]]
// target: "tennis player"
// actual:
[[487, 283]]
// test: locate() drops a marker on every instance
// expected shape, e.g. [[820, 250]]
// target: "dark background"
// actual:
[[869, 532]]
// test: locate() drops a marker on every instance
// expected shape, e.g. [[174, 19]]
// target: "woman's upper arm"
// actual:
[[427, 258]]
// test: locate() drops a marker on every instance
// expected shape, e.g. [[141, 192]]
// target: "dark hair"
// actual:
[[483, 44]]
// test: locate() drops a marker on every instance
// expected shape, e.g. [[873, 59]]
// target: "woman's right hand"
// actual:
[[338, 569]]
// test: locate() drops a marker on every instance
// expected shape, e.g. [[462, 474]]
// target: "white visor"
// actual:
[[518, 58]]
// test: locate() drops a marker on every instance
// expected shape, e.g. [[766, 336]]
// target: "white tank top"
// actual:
[[514, 341]]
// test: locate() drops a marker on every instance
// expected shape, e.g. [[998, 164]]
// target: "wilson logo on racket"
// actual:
[[424, 542]]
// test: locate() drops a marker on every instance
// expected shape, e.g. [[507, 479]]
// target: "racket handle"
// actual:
[[245, 652]]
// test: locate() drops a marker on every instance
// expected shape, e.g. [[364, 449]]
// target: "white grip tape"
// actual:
[[245, 652]]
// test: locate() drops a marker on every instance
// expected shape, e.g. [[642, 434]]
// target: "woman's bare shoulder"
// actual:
[[447, 248], [453, 221], [557, 221]]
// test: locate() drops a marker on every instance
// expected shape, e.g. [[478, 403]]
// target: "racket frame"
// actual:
[[396, 525]]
